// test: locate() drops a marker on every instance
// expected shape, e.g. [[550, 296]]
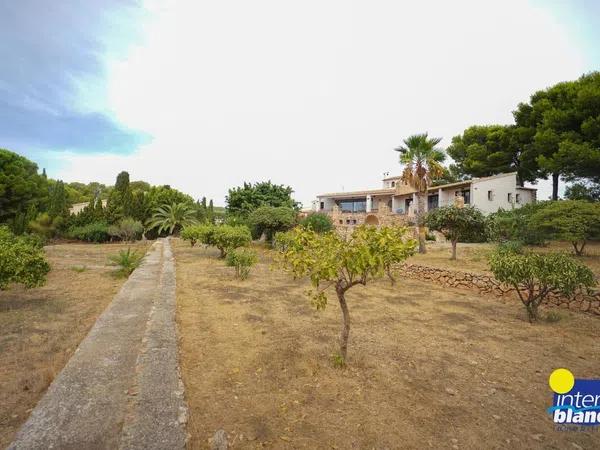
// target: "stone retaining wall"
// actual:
[[487, 284]]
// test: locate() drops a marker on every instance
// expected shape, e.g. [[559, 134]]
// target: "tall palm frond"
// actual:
[[422, 160], [172, 218]]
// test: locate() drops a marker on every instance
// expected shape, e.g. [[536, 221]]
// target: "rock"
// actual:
[[451, 391], [219, 441]]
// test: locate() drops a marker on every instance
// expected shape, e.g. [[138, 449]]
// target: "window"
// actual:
[[518, 198], [322, 205], [393, 184], [341, 222], [490, 195], [347, 221], [432, 202], [510, 197], [353, 205], [353, 221]]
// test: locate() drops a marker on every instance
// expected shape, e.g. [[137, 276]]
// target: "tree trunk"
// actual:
[[578, 250], [420, 217], [453, 250], [346, 327], [555, 186]]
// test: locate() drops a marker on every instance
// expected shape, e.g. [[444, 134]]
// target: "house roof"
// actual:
[[352, 194], [409, 190]]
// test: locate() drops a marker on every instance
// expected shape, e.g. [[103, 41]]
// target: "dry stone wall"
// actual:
[[487, 284]]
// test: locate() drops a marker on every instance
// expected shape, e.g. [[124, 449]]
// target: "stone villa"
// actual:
[[395, 202]]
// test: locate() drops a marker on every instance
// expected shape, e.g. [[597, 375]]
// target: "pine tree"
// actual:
[[59, 204], [211, 212]]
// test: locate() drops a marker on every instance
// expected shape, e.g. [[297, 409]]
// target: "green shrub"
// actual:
[[242, 259], [22, 261], [227, 238], [456, 224], [535, 275], [223, 237], [554, 316], [575, 221], [93, 232], [127, 230], [515, 225], [127, 261], [45, 226], [199, 233], [511, 247], [318, 222], [269, 220]]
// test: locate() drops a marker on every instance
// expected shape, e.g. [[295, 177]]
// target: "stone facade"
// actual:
[[345, 221], [487, 284]]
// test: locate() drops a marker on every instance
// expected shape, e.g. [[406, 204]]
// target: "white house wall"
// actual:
[[500, 187]]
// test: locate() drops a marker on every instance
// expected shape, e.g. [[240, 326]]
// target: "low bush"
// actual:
[[22, 260], [516, 225], [227, 238], [93, 232], [223, 237], [126, 261], [318, 222], [242, 259], [127, 230], [535, 275], [199, 233], [45, 226]]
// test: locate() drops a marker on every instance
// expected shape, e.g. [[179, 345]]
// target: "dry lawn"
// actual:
[[474, 257], [428, 367], [40, 328]]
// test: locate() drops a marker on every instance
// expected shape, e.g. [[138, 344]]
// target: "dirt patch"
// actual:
[[428, 367], [40, 328]]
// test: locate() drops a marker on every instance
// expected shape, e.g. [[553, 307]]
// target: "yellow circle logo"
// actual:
[[561, 381]]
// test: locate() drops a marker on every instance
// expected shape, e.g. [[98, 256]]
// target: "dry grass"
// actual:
[[428, 367], [473, 257], [40, 328]]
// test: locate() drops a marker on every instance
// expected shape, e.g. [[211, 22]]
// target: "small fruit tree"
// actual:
[[223, 237], [535, 275], [456, 223], [330, 260], [22, 260], [242, 259], [575, 221], [268, 220]]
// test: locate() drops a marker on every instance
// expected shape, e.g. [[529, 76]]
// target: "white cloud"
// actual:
[[317, 94]]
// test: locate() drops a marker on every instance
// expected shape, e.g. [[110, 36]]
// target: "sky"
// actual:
[[314, 94]]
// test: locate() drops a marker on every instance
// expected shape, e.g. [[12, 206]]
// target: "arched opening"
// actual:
[[371, 220]]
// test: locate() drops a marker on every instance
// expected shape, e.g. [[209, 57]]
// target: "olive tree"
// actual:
[[22, 261], [330, 260], [456, 223], [535, 275], [575, 221]]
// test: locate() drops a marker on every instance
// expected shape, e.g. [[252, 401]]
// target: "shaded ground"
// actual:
[[40, 328], [428, 367], [473, 257]]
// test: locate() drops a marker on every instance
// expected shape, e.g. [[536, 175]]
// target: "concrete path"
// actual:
[[121, 389]]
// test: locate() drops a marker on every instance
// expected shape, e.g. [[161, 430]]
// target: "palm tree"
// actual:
[[172, 218], [422, 164]]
